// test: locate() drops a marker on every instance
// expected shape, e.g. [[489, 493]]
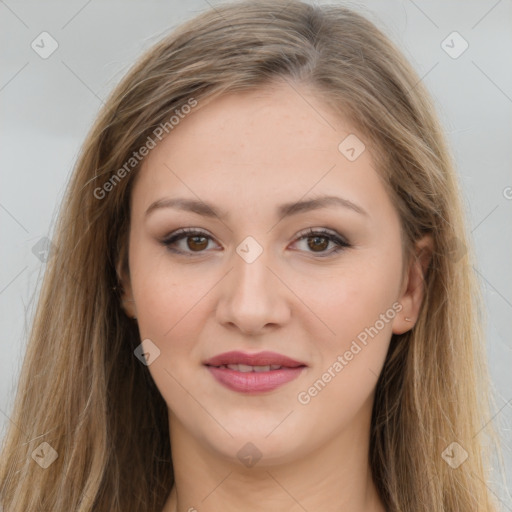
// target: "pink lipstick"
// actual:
[[253, 373]]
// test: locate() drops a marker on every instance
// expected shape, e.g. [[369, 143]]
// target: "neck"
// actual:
[[332, 477]]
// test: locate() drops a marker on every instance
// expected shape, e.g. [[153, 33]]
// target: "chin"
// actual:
[[256, 448]]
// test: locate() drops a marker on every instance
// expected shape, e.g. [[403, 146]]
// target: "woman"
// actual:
[[261, 296]]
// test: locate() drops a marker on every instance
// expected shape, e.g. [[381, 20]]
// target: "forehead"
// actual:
[[269, 145]]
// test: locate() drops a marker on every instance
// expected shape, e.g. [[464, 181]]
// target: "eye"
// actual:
[[318, 241], [197, 241]]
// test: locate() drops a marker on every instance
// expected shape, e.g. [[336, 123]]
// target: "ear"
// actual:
[[413, 287], [125, 288]]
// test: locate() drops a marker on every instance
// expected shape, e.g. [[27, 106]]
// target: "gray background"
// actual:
[[49, 104]]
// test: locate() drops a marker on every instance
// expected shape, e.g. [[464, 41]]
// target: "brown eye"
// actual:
[[197, 243], [318, 243], [187, 242]]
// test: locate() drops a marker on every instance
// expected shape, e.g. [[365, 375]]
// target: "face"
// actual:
[[319, 283]]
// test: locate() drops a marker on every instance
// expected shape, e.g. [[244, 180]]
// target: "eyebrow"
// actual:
[[285, 210]]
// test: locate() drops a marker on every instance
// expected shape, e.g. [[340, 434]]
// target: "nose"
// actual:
[[252, 298]]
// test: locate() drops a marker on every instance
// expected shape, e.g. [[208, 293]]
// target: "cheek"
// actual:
[[171, 312], [359, 310], [164, 293], [351, 297], [355, 304]]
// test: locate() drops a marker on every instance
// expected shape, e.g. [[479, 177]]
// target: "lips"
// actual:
[[253, 373], [261, 359]]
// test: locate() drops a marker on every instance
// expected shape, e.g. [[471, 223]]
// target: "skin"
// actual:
[[247, 153]]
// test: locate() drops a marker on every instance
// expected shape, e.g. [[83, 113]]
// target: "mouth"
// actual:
[[245, 368], [253, 373]]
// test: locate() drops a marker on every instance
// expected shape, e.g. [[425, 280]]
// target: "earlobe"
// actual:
[[125, 291], [128, 303], [414, 285]]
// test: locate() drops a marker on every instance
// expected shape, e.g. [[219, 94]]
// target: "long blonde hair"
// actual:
[[84, 392]]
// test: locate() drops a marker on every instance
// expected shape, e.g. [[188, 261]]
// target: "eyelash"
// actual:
[[182, 233]]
